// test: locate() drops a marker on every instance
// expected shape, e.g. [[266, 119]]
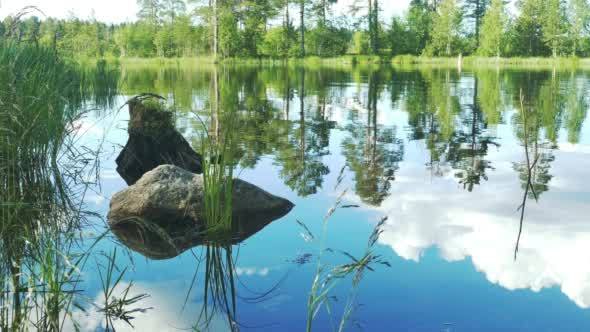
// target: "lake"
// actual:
[[477, 181]]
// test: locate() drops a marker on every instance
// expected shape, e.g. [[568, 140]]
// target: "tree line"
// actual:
[[299, 28]]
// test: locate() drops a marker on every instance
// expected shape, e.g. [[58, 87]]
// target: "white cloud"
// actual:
[[483, 225], [167, 313], [252, 271]]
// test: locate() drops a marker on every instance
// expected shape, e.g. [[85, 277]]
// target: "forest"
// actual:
[[302, 28]]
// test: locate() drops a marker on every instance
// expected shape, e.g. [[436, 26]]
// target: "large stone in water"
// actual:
[[161, 215], [153, 141]]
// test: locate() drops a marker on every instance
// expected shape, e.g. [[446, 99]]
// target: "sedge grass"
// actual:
[[218, 143], [327, 277], [42, 186]]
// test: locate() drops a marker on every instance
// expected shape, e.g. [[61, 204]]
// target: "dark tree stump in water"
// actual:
[[153, 141]]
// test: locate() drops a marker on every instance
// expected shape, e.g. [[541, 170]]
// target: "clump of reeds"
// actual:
[[217, 150], [42, 184]]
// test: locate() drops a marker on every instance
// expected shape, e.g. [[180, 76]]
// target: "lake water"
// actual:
[[441, 154]]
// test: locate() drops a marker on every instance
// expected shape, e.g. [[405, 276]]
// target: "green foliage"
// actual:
[[279, 43], [360, 43], [419, 23], [445, 31], [492, 33], [554, 25], [150, 11], [164, 42], [255, 15], [475, 10], [526, 33], [136, 40], [579, 18], [327, 41], [265, 28], [230, 39], [398, 37]]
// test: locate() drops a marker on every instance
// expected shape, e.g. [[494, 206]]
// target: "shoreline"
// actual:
[[405, 61]]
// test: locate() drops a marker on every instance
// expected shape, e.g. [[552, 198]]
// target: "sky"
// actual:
[[117, 11]]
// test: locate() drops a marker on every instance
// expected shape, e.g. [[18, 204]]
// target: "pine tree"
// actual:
[[527, 37]]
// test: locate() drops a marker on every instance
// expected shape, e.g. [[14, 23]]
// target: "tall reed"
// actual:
[[327, 277], [218, 143], [42, 183]]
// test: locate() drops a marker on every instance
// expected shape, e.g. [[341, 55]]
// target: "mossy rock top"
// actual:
[[149, 117]]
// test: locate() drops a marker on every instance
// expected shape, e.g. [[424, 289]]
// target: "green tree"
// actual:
[[371, 17], [553, 24], [398, 37], [326, 41], [164, 41], [256, 14], [476, 10], [170, 9], [527, 32], [445, 31], [302, 13], [579, 18], [493, 30], [289, 37], [183, 36], [419, 23], [150, 11], [320, 9], [229, 39]]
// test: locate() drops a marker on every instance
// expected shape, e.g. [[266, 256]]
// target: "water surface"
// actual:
[[442, 154]]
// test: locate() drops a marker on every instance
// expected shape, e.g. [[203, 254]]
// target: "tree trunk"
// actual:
[[302, 23], [215, 30], [574, 47], [323, 9], [477, 20], [371, 37], [286, 30]]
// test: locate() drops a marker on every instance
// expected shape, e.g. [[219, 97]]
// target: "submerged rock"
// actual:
[[153, 141], [161, 215]]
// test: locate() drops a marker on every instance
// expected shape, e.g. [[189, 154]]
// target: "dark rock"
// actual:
[[161, 215], [153, 141]]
